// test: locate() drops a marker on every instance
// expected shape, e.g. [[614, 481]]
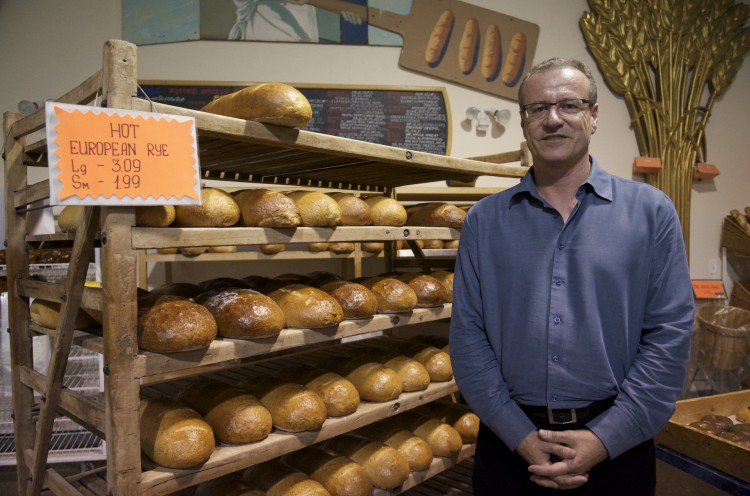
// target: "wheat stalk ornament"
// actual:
[[671, 60]]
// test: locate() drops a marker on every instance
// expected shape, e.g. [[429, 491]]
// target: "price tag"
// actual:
[[709, 289], [101, 156]]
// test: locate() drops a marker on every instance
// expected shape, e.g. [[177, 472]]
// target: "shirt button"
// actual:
[[558, 282], [555, 359], [554, 398], [557, 320], [560, 246]]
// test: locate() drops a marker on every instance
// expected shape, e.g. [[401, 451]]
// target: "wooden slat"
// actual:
[[35, 192], [169, 237], [87, 411], [75, 279]]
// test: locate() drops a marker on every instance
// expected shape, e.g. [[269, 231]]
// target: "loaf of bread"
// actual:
[[415, 449], [173, 323], [154, 215], [227, 485], [432, 244], [436, 361], [267, 208], [373, 246], [446, 279], [316, 209], [413, 375], [272, 248], [357, 302], [435, 214], [192, 251], [307, 307], [47, 314], [341, 248], [338, 393], [174, 435], [451, 244], [271, 103], [354, 210], [374, 381], [337, 473], [217, 209], [235, 416], [317, 247], [293, 407], [393, 295], [69, 218], [386, 211], [443, 439], [743, 414], [430, 292], [385, 466], [457, 416], [243, 313], [276, 478], [222, 249], [224, 283]]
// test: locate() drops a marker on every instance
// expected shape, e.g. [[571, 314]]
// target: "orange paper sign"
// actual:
[[709, 289], [105, 156]]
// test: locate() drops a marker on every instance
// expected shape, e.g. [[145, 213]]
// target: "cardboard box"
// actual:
[[711, 450]]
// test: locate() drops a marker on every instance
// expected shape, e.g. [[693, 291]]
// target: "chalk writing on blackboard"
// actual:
[[414, 118]]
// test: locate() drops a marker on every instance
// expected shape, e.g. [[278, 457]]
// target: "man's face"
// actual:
[[558, 139]]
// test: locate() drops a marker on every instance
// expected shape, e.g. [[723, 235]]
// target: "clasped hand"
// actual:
[[561, 459]]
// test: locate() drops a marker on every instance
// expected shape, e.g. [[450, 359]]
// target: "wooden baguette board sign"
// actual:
[[104, 156], [456, 41]]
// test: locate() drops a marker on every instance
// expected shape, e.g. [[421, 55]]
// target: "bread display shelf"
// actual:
[[702, 446], [227, 459], [230, 149], [154, 367]]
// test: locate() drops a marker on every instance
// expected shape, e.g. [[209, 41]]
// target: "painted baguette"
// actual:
[[439, 38], [513, 64], [491, 53], [468, 49]]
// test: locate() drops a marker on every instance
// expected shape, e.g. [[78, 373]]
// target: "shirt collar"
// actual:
[[598, 182]]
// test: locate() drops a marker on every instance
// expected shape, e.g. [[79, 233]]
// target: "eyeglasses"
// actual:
[[570, 106]]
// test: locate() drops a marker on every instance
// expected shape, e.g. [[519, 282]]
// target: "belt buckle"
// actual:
[[561, 416]]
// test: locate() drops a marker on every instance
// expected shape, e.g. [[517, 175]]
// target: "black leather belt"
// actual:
[[561, 416]]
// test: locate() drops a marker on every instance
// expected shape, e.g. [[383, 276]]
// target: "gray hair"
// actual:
[[559, 63]]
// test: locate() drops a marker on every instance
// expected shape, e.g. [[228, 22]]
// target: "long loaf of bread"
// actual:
[[293, 407], [457, 416], [337, 473], [385, 467], [235, 416], [276, 478], [271, 103], [443, 439], [374, 381], [339, 394], [174, 435], [416, 450]]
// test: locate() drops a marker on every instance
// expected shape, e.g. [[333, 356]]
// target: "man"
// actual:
[[572, 310]]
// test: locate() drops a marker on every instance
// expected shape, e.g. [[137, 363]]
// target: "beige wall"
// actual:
[[50, 46]]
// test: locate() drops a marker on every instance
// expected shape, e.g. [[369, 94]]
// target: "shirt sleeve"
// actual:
[[654, 382], [475, 365]]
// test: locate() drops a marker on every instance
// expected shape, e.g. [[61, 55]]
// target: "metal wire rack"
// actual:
[[84, 373]]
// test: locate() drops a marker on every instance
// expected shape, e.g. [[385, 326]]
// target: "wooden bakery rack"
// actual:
[[230, 150]]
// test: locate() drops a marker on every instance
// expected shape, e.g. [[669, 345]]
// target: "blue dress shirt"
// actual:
[[562, 314]]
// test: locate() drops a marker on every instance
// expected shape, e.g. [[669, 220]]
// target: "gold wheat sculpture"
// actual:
[[671, 60]]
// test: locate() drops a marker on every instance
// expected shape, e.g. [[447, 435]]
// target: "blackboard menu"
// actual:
[[413, 118]]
